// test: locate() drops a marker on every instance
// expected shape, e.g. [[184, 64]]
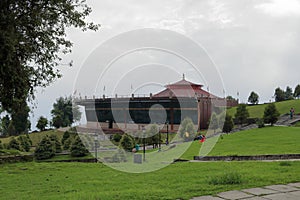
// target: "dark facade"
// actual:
[[179, 100]]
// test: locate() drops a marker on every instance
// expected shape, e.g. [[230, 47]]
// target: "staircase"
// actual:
[[285, 120]]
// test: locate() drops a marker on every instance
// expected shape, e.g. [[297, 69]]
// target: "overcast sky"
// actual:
[[254, 44]]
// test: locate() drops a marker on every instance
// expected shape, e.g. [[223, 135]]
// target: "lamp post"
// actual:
[[96, 144], [144, 141], [167, 142], [159, 138]]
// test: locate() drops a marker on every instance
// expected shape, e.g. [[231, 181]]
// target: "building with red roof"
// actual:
[[177, 101]]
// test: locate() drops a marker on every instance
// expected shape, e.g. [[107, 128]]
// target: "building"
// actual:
[[170, 106]]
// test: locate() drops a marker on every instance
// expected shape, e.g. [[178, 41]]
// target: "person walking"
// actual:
[[292, 111]]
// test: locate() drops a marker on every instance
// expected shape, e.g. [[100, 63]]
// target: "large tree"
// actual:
[[42, 123], [20, 119], [289, 93], [279, 95], [241, 114], [64, 112], [5, 121], [16, 122], [297, 91], [32, 38], [253, 98]]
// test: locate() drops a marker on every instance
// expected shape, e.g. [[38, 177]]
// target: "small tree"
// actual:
[[66, 136], [253, 98], [25, 143], [228, 124], [153, 135], [214, 123], [78, 149], [45, 149], [242, 114], [14, 144], [271, 114], [127, 142], [54, 139], [68, 143], [42, 123], [187, 129]]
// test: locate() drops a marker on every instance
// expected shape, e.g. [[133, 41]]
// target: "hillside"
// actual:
[[257, 111], [268, 140], [37, 137]]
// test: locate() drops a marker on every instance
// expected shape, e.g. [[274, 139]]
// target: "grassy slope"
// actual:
[[257, 111], [268, 140], [96, 181], [37, 137]]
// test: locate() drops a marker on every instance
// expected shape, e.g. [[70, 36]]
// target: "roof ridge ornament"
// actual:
[[183, 76]]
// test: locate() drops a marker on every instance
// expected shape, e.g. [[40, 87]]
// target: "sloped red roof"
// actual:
[[183, 82], [184, 88]]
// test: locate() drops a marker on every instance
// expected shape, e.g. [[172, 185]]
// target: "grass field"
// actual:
[[268, 140], [34, 180], [257, 111], [96, 181]]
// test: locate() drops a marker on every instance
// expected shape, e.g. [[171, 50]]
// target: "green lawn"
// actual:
[[268, 140], [257, 111], [96, 181], [34, 180]]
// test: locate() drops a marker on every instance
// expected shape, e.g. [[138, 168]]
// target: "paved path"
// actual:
[[273, 192]]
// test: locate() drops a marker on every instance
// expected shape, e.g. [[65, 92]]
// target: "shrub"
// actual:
[[260, 123], [78, 149], [45, 149], [228, 178], [117, 137], [1, 146], [25, 143], [14, 144], [187, 129], [127, 142], [285, 163], [297, 124], [120, 156]]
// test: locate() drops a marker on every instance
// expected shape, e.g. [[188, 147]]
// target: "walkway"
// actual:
[[273, 192]]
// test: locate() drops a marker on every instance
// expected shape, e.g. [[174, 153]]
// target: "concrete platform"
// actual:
[[290, 191]]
